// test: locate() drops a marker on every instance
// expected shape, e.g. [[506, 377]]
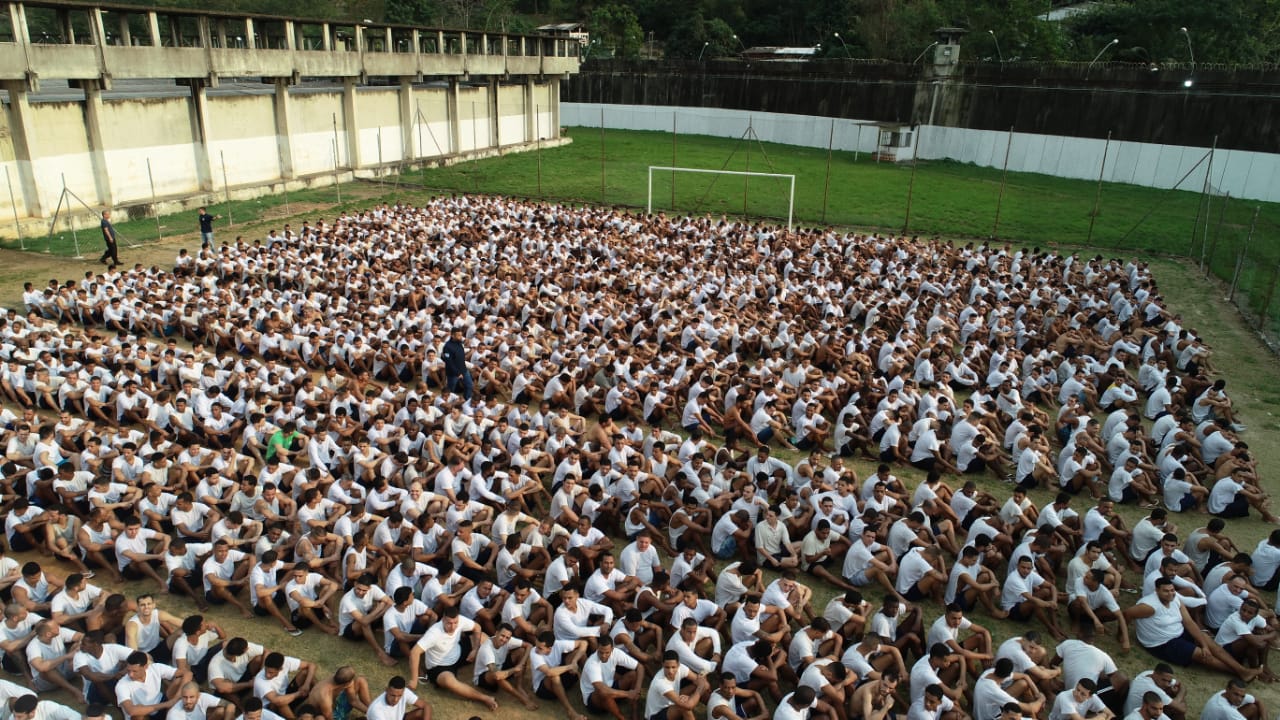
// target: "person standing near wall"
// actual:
[[108, 239], [206, 228]]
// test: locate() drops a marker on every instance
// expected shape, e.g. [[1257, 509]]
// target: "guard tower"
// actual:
[[946, 54]]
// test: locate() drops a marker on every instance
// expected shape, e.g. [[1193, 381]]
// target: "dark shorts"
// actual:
[[1178, 651], [1238, 508], [1128, 495], [433, 674], [913, 593], [1022, 611], [925, 464], [487, 684], [352, 632], [544, 691], [1028, 483], [975, 466], [963, 602]]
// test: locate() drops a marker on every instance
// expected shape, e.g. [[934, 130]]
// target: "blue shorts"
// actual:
[[860, 578], [727, 549]]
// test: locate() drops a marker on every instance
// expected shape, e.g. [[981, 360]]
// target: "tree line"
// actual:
[[1221, 31]]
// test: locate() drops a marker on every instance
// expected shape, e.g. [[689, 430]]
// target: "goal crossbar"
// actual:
[[791, 200]]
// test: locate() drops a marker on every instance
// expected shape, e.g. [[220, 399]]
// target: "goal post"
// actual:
[[791, 197]]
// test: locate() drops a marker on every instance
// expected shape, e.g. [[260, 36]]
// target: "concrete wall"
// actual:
[[242, 134], [260, 142], [1245, 174], [474, 128], [156, 130], [316, 124]]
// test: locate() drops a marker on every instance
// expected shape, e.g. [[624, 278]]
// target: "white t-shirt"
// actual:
[[1066, 706], [148, 691], [204, 703], [353, 603], [263, 686], [442, 649], [223, 668], [657, 699], [603, 671], [380, 710], [1080, 660]]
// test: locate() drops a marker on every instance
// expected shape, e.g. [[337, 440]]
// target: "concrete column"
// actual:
[[553, 90], [407, 118], [351, 121], [126, 35], [153, 28], [290, 39], [530, 111], [250, 40], [439, 42], [18, 21], [97, 147], [494, 117], [451, 107], [326, 43], [198, 114], [22, 133], [282, 103]]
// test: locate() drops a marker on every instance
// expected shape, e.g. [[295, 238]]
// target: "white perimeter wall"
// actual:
[[1244, 174], [243, 135]]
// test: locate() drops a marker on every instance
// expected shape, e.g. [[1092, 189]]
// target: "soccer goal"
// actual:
[[791, 196]]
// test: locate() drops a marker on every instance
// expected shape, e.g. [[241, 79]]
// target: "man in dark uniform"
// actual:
[[206, 227], [454, 355], [109, 239]]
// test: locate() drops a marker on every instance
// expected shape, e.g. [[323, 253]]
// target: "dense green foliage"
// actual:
[[1221, 31]]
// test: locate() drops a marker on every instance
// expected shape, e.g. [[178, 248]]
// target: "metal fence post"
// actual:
[[1004, 178], [1097, 198], [1271, 291], [1244, 250], [13, 203], [226, 187], [154, 208], [1217, 233]]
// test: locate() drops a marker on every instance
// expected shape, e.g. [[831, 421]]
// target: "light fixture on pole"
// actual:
[[846, 47], [704, 49], [739, 41], [1095, 57], [932, 45], [995, 39], [1190, 80]]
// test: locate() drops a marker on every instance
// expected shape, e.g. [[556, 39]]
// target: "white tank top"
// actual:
[[148, 634], [1163, 626]]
